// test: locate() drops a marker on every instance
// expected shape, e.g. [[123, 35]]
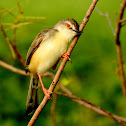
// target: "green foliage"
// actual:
[[89, 76]]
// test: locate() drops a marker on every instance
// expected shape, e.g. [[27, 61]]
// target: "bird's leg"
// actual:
[[66, 55], [46, 92]]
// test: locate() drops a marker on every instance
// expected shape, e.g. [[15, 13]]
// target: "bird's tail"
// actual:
[[32, 98]]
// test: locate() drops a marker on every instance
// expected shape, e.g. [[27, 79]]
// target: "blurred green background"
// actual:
[[91, 75]]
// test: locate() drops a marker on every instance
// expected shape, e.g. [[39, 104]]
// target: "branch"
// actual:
[[53, 109], [9, 11], [7, 40], [29, 17], [22, 72], [122, 21], [84, 103], [12, 47], [106, 15], [12, 44], [13, 69], [118, 49], [90, 105], [20, 25], [63, 63], [17, 20]]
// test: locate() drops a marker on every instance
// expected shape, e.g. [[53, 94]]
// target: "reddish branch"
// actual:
[[63, 63], [118, 48]]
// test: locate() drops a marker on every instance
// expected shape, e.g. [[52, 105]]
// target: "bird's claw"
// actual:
[[66, 55], [47, 93]]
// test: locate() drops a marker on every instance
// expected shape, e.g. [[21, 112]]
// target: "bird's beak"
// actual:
[[78, 32]]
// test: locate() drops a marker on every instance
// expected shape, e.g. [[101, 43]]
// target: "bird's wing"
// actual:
[[35, 44]]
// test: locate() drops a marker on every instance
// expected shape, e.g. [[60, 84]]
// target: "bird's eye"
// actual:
[[68, 25]]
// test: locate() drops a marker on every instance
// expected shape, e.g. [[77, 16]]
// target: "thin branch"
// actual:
[[29, 17], [13, 69], [122, 21], [63, 63], [6, 10], [118, 49], [90, 105], [7, 40], [12, 9], [22, 72], [12, 47], [20, 25], [7, 24], [17, 20], [53, 109], [83, 102], [106, 15]]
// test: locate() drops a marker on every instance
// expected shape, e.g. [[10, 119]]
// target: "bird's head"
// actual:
[[69, 28]]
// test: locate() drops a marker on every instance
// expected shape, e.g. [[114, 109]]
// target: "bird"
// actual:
[[44, 53]]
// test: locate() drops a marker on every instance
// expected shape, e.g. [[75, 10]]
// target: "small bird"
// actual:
[[44, 53]]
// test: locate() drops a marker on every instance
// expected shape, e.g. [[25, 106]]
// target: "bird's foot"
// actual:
[[66, 55], [47, 93]]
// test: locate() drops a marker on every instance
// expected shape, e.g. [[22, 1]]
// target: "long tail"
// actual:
[[32, 98]]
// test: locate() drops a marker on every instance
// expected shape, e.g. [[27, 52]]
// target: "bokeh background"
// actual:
[[92, 75]]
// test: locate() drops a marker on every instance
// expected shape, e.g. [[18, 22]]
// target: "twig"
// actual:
[[118, 49], [53, 109], [7, 40], [13, 69], [65, 90], [12, 47], [12, 9], [37, 18], [106, 15], [17, 20], [6, 10], [90, 105], [63, 63], [22, 72], [122, 21], [20, 25], [8, 24]]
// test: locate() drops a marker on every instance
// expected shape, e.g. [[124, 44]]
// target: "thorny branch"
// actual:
[[63, 63]]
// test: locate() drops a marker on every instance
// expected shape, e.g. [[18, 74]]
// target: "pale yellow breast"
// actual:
[[48, 53]]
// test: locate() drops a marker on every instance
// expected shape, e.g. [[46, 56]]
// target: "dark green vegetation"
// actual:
[[90, 76]]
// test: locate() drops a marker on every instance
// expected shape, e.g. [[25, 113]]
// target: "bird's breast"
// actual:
[[48, 53]]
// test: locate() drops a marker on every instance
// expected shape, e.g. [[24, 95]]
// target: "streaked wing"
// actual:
[[35, 44]]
